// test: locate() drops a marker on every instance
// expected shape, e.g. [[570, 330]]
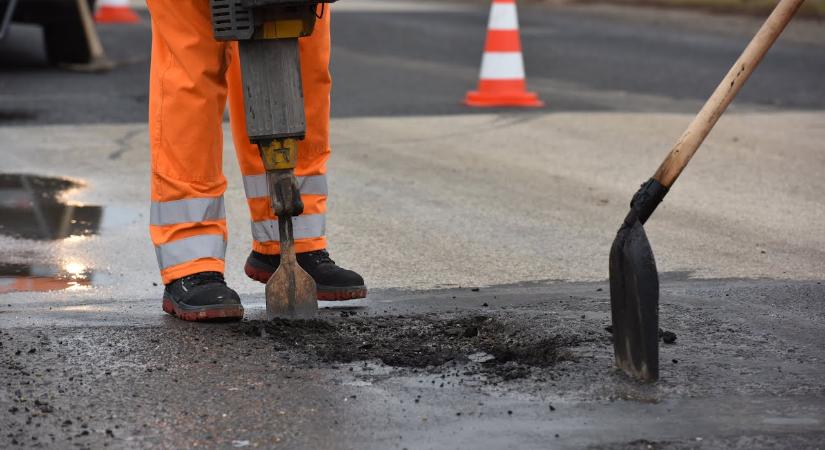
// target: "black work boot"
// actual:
[[201, 297], [333, 282]]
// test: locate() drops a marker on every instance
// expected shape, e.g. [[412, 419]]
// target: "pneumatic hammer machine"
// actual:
[[267, 32]]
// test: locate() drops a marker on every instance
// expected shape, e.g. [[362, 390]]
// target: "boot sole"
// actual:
[[325, 293], [202, 314]]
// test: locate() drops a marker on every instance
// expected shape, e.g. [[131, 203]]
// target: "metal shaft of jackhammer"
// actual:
[[285, 200]]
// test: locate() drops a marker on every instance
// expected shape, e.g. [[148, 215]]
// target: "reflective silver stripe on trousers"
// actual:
[[191, 248], [304, 227], [255, 185], [187, 210]]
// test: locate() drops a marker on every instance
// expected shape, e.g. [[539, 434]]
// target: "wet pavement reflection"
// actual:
[[32, 207], [26, 277]]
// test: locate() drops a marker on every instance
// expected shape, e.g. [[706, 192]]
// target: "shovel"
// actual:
[[290, 291], [634, 281]]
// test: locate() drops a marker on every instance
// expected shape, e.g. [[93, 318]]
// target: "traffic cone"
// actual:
[[502, 81], [115, 11]]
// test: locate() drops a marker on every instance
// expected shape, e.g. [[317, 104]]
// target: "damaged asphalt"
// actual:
[[471, 337], [518, 366]]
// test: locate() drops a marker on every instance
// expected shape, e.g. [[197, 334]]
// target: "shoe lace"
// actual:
[[202, 278], [321, 257]]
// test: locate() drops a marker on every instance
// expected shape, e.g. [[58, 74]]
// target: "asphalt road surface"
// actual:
[[413, 58], [483, 236]]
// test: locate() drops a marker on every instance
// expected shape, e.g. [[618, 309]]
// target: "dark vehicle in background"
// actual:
[[64, 32]]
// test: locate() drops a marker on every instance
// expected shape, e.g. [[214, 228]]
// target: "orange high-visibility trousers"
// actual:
[[190, 77]]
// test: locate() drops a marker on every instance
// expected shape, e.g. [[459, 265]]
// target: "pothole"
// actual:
[[483, 343]]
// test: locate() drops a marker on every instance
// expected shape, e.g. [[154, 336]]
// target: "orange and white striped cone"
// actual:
[[115, 11], [502, 81]]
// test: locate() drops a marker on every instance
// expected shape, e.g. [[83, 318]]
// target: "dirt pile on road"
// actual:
[[488, 345]]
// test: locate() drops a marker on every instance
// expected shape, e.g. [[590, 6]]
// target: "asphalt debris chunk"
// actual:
[[668, 337]]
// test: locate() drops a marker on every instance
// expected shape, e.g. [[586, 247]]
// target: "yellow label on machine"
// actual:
[[280, 154], [283, 29]]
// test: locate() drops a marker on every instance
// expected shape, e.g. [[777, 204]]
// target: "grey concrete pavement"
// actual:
[[487, 199], [484, 238]]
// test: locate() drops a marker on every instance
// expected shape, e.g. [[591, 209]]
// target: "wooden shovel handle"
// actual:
[[698, 130]]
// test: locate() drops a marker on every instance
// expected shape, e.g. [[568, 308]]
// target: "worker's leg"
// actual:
[[186, 105], [313, 153]]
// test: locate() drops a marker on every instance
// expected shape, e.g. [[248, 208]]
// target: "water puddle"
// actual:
[[33, 207], [26, 277]]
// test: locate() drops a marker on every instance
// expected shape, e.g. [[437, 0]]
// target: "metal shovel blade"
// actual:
[[290, 294], [290, 291], [634, 303]]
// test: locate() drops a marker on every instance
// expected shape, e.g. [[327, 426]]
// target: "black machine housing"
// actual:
[[235, 20]]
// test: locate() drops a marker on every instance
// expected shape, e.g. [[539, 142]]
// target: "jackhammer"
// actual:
[[267, 32]]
